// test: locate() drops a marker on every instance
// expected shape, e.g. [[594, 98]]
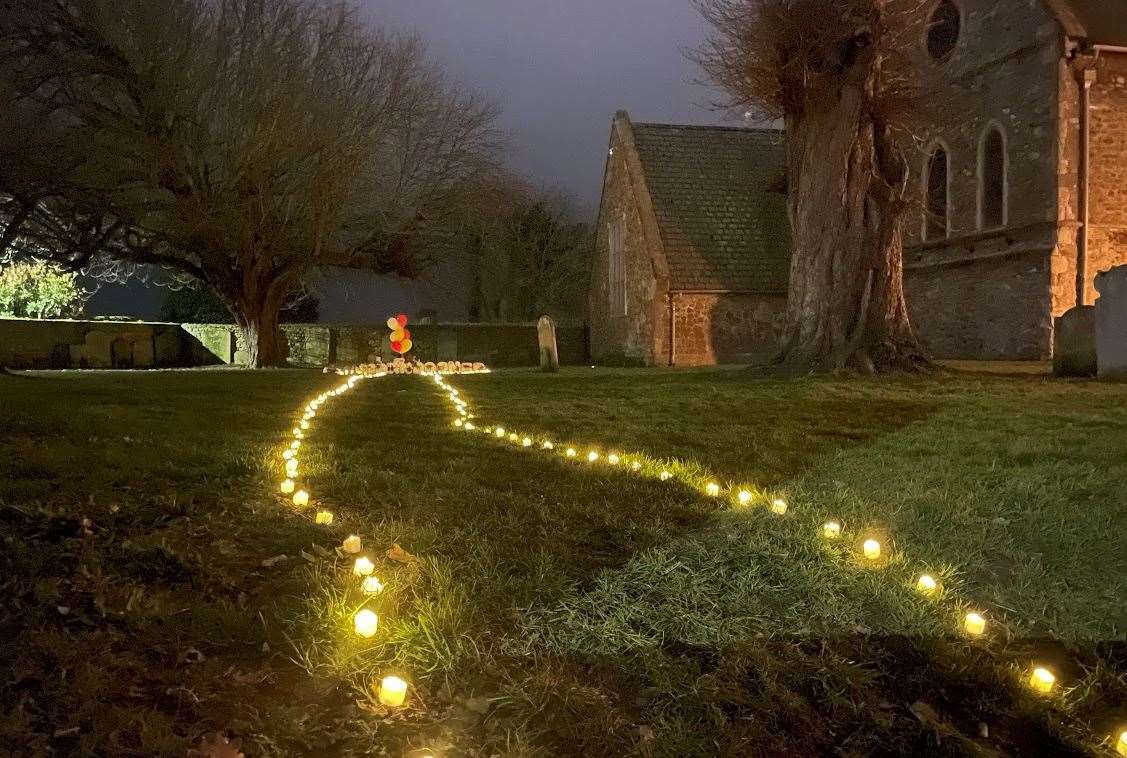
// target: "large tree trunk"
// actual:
[[257, 315], [846, 308]]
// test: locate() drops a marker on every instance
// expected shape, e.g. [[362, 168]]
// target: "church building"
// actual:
[[1020, 158]]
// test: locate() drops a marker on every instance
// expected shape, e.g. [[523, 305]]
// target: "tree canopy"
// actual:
[[39, 290], [240, 143]]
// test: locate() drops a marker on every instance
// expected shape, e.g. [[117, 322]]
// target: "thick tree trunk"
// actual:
[[258, 318], [846, 308]]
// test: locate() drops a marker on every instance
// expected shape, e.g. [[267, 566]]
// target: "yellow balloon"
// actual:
[[405, 347], [393, 324], [398, 335]]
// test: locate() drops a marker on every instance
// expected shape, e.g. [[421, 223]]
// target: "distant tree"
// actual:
[[197, 304], [529, 255], [240, 143], [39, 290], [836, 72]]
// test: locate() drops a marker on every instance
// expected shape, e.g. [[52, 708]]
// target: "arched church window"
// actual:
[[937, 205], [943, 30], [992, 166]]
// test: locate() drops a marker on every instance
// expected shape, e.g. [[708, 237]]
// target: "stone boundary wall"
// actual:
[[34, 344]]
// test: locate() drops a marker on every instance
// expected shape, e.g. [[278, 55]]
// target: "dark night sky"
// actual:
[[559, 69]]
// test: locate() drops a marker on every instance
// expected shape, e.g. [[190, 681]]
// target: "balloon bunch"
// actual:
[[400, 338]]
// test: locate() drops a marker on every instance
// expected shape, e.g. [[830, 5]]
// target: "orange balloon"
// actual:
[[398, 335], [406, 345]]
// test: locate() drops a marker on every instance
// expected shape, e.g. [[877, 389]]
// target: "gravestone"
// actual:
[[1074, 342], [549, 353], [1111, 323]]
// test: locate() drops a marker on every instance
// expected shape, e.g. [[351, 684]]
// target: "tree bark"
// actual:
[[258, 318], [846, 307]]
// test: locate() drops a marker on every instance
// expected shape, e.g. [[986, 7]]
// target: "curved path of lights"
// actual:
[[391, 691]]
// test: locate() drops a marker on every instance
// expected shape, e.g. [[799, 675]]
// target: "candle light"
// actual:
[[288, 487], [291, 468], [927, 584], [713, 489], [1121, 745], [295, 445], [636, 466], [592, 456], [393, 691], [613, 459], [779, 506], [526, 442], [325, 518], [469, 426], [304, 424], [372, 585], [548, 445], [665, 476], [457, 422], [352, 544], [1042, 680], [872, 549], [500, 431], [365, 622], [744, 497], [974, 624], [363, 566], [513, 437], [301, 498], [571, 452], [297, 433], [831, 530], [287, 453]]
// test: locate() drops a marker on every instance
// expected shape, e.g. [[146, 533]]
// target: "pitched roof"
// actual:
[[722, 220], [1102, 22]]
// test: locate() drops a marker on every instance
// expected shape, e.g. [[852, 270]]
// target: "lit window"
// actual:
[[617, 267], [936, 211], [992, 179]]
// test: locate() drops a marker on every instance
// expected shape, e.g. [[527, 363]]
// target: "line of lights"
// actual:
[[1042, 680]]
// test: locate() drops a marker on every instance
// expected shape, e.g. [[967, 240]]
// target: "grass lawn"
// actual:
[[154, 587]]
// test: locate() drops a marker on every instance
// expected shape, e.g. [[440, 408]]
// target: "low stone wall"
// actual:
[[31, 344]]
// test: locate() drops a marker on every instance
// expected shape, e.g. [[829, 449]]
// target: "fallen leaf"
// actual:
[[272, 562], [399, 555]]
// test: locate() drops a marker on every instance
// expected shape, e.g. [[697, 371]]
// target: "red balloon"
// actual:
[[397, 346], [402, 319], [406, 334]]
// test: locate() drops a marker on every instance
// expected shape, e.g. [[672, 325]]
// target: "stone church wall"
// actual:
[[723, 328]]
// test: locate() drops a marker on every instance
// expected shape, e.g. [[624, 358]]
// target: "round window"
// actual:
[[943, 30]]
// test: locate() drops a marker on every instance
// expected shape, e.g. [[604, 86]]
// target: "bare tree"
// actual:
[[239, 142], [528, 253], [836, 72]]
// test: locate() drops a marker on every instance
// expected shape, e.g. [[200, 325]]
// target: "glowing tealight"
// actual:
[[393, 691], [974, 624], [301, 498], [635, 466], [571, 452], [713, 489], [871, 549], [458, 422], [291, 468], [1042, 680], [372, 585], [352, 544], [744, 497], [1121, 745], [304, 424], [297, 433], [324, 518], [665, 476], [779, 506], [613, 459], [470, 426], [927, 584], [363, 566], [548, 445], [526, 442], [365, 622], [288, 486], [500, 432], [513, 437], [831, 530], [287, 453], [592, 456], [295, 445]]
